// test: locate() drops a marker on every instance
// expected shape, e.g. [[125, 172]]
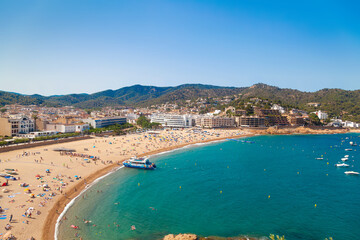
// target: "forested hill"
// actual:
[[133, 95], [337, 101]]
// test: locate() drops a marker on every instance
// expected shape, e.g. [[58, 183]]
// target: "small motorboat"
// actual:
[[342, 165], [348, 149], [346, 156], [344, 159], [319, 158], [353, 144], [351, 173]]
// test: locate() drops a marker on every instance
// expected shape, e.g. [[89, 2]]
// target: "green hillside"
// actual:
[[337, 102]]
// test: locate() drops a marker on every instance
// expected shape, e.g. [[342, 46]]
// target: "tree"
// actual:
[[145, 123], [249, 110], [35, 117], [229, 113], [314, 119]]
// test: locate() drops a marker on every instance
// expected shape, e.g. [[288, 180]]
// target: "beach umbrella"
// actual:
[[37, 176]]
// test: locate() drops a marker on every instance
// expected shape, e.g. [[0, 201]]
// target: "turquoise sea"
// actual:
[[230, 189]]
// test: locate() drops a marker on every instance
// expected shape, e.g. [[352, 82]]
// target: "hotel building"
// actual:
[[173, 121]]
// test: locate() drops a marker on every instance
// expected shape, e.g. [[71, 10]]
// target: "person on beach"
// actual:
[[7, 227]]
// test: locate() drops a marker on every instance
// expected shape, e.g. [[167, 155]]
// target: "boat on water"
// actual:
[[319, 158], [342, 165], [346, 156], [344, 159], [142, 163], [348, 149], [351, 173]]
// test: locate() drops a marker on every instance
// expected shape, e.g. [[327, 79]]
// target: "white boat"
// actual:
[[142, 163], [346, 156], [348, 149], [344, 159], [351, 173], [341, 165], [351, 143], [319, 158]]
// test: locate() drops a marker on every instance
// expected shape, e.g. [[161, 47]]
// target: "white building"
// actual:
[[37, 134], [321, 115], [16, 124], [336, 123], [132, 117], [67, 128], [217, 112], [174, 121], [278, 107], [349, 124]]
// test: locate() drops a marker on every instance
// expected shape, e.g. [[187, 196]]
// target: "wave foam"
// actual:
[[67, 207]]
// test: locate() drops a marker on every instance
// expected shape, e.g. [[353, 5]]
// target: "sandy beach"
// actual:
[[48, 180], [35, 200]]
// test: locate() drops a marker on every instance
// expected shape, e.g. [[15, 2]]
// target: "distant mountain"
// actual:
[[337, 101], [132, 95], [11, 98]]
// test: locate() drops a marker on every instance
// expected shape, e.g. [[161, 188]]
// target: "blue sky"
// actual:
[[67, 46]]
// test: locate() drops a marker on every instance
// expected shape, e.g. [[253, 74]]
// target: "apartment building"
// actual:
[[215, 122], [15, 125], [105, 121], [266, 112], [250, 121], [67, 128], [172, 120], [296, 120]]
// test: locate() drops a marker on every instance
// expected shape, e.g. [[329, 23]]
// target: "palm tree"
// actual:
[[35, 117]]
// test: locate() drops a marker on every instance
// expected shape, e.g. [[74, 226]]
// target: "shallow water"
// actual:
[[229, 189]]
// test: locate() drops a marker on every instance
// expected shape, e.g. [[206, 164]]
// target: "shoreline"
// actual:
[[57, 210], [63, 187], [59, 206]]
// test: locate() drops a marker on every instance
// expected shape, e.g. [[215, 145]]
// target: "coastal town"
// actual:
[[179, 120], [50, 153], [39, 179], [20, 123]]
